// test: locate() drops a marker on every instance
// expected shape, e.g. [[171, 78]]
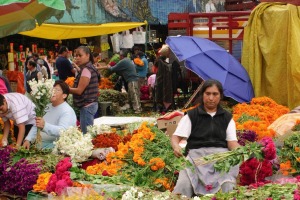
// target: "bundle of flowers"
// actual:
[[61, 178], [246, 136], [106, 83], [40, 96], [70, 81], [146, 160], [112, 96], [289, 155], [138, 62], [19, 178], [42, 181], [74, 144], [145, 92], [265, 149], [258, 115]]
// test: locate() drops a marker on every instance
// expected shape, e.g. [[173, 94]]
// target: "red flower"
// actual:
[[208, 187], [105, 173], [254, 171]]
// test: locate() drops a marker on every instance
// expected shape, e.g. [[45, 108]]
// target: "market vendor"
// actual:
[[59, 116], [209, 129], [20, 109], [126, 69], [85, 91]]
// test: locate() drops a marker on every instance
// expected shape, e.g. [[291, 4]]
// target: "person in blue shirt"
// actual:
[[59, 116], [142, 70]]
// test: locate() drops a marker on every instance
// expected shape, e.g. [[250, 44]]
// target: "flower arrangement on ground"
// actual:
[[258, 115], [146, 160], [40, 96], [74, 144]]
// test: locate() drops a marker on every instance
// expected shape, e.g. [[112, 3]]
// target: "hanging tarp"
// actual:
[[271, 52], [62, 32]]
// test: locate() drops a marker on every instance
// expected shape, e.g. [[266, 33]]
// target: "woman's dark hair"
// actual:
[[87, 51], [62, 49], [32, 63], [209, 83], [64, 87]]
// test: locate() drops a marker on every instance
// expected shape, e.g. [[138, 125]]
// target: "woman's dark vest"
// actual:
[[91, 92], [29, 77], [208, 131]]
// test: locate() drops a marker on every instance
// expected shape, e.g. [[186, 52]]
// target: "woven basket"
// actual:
[[295, 2]]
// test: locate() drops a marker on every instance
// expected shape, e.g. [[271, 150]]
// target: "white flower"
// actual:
[[73, 143]]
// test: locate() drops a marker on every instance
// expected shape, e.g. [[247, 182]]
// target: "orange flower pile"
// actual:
[[164, 182], [106, 83], [114, 159], [42, 182], [266, 109], [156, 164], [138, 62], [70, 81]]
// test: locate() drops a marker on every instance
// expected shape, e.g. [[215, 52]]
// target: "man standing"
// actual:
[[32, 74], [64, 67], [20, 109], [126, 69], [59, 116]]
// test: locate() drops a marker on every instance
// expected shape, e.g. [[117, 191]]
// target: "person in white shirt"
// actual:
[[59, 116], [20, 109]]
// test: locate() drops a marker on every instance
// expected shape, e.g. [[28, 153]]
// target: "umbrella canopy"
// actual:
[[70, 31], [210, 61], [22, 15]]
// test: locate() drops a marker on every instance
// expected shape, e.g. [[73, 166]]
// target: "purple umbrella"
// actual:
[[210, 61]]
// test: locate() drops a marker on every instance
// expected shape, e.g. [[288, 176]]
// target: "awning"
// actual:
[[62, 32]]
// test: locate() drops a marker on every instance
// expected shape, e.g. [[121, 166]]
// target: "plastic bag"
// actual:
[[139, 36]]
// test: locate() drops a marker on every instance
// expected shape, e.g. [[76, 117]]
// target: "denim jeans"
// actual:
[[87, 116]]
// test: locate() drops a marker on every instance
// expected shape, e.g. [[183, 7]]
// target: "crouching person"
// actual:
[[59, 116]]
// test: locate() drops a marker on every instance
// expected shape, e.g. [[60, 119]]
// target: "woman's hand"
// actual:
[[26, 144], [175, 145], [177, 151], [40, 122]]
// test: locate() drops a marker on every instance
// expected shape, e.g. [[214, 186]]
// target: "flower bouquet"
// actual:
[[265, 149], [40, 95]]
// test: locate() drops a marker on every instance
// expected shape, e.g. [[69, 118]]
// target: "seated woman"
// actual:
[[208, 129], [59, 116]]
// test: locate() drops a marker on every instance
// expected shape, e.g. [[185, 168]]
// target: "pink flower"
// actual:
[[269, 149], [208, 187]]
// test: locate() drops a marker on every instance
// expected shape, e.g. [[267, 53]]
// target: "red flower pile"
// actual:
[[61, 178], [254, 171]]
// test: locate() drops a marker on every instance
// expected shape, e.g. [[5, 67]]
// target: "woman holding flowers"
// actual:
[[85, 91], [208, 129]]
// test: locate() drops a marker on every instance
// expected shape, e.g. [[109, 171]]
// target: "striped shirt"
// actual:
[[20, 109]]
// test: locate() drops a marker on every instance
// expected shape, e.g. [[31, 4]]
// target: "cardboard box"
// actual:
[[163, 123], [171, 129]]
